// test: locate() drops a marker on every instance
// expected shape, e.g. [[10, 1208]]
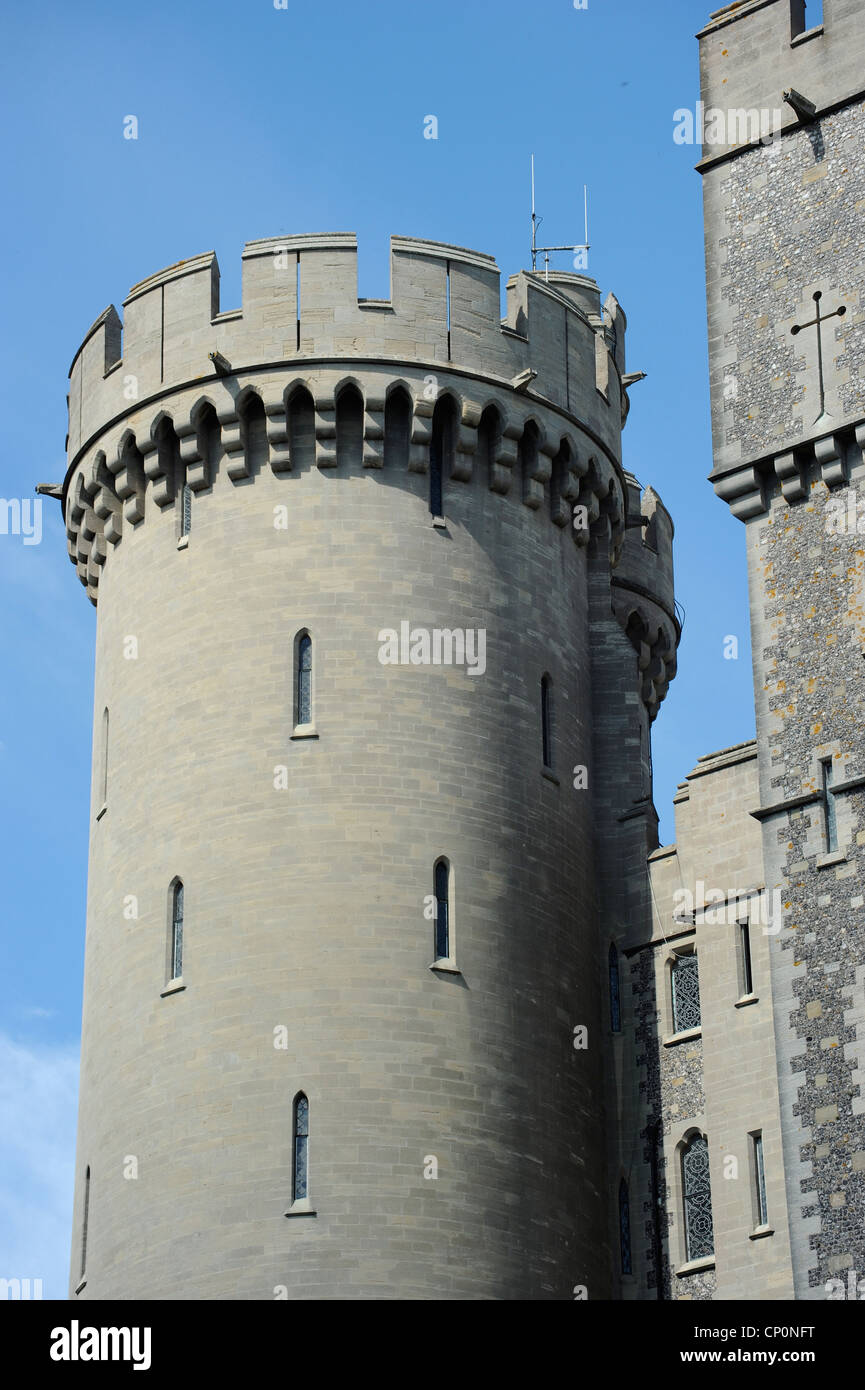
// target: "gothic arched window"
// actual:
[[300, 1176], [697, 1194], [547, 721], [442, 893], [625, 1227], [615, 1004], [303, 691], [177, 931], [685, 981]]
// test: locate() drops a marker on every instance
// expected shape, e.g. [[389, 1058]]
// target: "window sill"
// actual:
[[304, 731], [759, 1232], [183, 543], [301, 1208], [174, 987], [746, 1000], [695, 1266], [439, 522], [808, 34], [685, 1036], [447, 966], [102, 809], [82, 1284], [825, 861], [550, 775]]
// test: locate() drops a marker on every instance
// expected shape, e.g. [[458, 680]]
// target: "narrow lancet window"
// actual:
[[103, 769], [303, 696], [625, 1227], [762, 1212], [177, 931], [615, 1005], [442, 934], [185, 510], [300, 1183], [84, 1222], [547, 721]]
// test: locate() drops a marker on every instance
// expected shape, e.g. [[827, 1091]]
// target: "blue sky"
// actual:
[[255, 121]]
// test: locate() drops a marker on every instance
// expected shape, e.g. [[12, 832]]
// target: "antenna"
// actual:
[[536, 222]]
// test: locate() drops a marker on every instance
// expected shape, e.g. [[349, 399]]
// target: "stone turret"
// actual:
[[262, 502]]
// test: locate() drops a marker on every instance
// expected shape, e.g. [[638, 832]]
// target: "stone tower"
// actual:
[[784, 183], [382, 629]]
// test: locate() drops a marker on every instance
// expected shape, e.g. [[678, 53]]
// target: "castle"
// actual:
[[390, 990]]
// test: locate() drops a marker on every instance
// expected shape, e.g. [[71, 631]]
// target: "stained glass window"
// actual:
[[625, 1227], [442, 941], [301, 1147], [699, 1237], [615, 1007], [686, 993], [177, 932], [304, 680]]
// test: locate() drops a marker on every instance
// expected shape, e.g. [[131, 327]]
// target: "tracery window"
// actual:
[[685, 978], [699, 1236]]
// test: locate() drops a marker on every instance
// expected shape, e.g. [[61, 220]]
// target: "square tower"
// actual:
[[783, 171]]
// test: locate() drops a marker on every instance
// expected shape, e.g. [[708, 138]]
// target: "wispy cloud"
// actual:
[[38, 1107]]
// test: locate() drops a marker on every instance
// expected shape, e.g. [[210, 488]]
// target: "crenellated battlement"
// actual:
[[187, 399], [300, 302]]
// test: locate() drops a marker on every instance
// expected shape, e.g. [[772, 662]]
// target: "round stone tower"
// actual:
[[362, 571]]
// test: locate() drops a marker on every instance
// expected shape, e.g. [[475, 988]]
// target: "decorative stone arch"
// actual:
[[396, 425], [349, 409], [127, 465], [106, 504], [299, 405], [201, 443], [160, 450], [244, 434]]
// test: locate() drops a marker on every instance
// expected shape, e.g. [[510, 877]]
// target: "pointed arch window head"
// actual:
[[442, 921], [615, 1001], [177, 931], [625, 1227], [300, 1177], [697, 1192]]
